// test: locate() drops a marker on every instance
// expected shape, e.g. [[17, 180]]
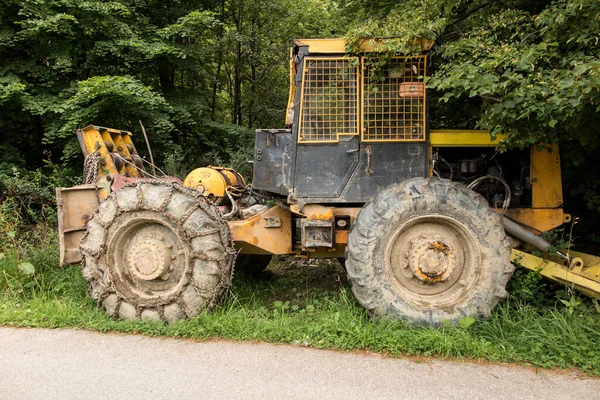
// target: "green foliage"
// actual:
[[529, 287], [534, 71], [187, 69]]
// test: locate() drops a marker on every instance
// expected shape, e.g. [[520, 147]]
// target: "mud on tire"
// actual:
[[156, 250], [428, 251]]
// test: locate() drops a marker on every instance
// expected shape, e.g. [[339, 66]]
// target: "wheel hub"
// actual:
[[429, 256], [149, 259], [431, 261]]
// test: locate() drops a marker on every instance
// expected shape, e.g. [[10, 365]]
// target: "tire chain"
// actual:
[[90, 167], [202, 203]]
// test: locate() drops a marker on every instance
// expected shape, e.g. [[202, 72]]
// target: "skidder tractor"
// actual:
[[429, 222]]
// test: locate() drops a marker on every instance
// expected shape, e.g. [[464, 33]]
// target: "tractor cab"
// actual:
[[349, 135]]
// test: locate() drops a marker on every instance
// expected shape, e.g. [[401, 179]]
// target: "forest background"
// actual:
[[202, 75]]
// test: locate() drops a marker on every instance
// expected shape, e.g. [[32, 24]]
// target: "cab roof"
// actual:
[[339, 45]]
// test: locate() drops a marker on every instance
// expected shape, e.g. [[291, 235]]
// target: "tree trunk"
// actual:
[[237, 80], [215, 89]]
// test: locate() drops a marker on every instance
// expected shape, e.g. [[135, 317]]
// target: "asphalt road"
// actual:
[[69, 364]]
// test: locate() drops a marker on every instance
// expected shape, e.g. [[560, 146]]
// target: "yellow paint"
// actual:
[[207, 181], [591, 264], [463, 138], [542, 219], [97, 138], [318, 212], [129, 168], [92, 141], [339, 45], [291, 104], [324, 213], [213, 182], [104, 188], [587, 283], [546, 183], [252, 236]]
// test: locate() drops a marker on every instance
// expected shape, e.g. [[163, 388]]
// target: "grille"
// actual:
[[394, 107], [329, 99]]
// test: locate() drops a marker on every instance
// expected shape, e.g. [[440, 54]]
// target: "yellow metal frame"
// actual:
[[333, 46], [397, 110], [269, 232], [463, 138], [545, 177], [584, 278], [291, 106], [337, 113], [96, 138]]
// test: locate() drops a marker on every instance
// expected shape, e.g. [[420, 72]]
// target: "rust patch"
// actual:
[[439, 246]]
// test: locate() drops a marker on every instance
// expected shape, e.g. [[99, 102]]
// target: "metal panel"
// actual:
[[329, 99], [267, 233], [316, 233], [387, 163], [394, 106], [322, 176], [546, 183], [542, 219], [463, 138], [323, 170], [272, 161], [75, 207]]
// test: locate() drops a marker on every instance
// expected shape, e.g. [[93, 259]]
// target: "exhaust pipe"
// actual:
[[517, 231]]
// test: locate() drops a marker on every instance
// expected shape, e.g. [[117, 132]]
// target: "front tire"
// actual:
[[156, 250], [428, 251]]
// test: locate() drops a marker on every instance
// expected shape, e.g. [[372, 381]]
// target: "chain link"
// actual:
[[90, 167], [226, 261]]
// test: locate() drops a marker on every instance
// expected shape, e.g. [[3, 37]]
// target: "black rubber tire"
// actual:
[[252, 265], [160, 225], [389, 215]]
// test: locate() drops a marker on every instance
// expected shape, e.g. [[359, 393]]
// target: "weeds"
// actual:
[[309, 305]]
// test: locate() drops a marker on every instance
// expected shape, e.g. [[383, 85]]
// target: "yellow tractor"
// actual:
[[429, 221]]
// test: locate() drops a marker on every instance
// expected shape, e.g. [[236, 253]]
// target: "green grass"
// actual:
[[308, 305]]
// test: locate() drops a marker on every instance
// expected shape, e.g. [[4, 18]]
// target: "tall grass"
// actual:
[[307, 306]]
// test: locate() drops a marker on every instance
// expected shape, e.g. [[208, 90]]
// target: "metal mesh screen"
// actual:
[[394, 108], [329, 100]]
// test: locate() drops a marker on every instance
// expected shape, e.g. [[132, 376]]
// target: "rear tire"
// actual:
[[428, 251], [156, 250]]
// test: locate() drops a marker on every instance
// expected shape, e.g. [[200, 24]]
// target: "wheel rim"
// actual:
[[433, 259], [148, 256]]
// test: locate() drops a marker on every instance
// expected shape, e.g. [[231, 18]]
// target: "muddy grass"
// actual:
[[298, 281]]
